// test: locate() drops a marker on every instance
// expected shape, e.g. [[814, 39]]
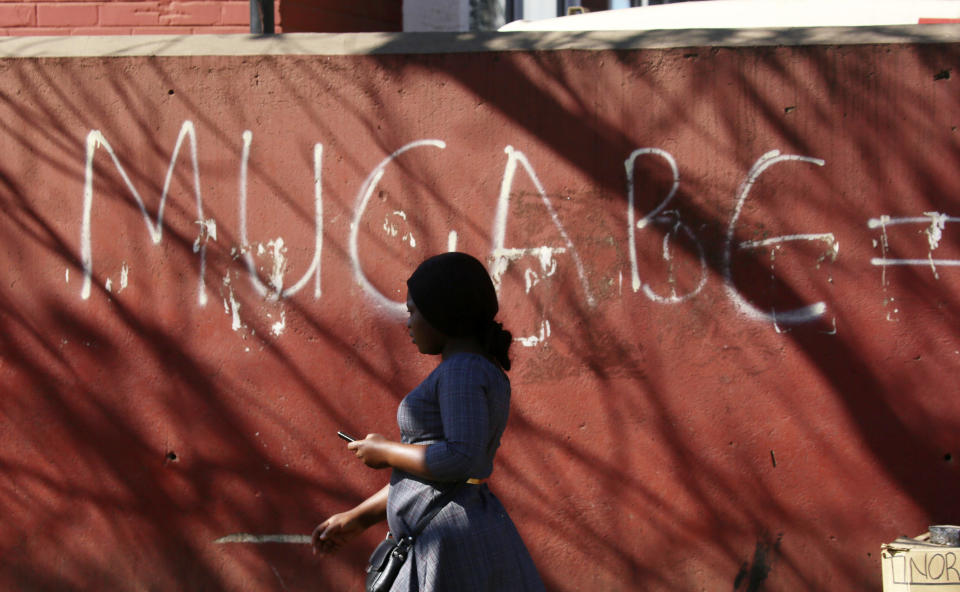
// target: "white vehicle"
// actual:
[[743, 14]]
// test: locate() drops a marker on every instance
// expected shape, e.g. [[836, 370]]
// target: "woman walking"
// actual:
[[450, 428]]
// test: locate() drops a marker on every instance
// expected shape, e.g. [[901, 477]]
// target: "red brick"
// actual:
[[235, 13], [39, 32], [129, 14], [192, 13], [67, 15], [162, 30], [221, 30], [100, 31], [18, 15]]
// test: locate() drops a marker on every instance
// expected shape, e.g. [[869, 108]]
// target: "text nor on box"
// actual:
[[911, 565]]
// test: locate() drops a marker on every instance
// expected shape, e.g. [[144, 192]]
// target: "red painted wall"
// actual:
[[733, 271]]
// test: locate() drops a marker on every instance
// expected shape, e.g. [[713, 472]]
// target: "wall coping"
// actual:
[[433, 43]]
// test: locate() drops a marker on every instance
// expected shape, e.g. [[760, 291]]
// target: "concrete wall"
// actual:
[[730, 262]]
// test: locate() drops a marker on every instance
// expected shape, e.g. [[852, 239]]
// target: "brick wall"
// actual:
[[145, 17]]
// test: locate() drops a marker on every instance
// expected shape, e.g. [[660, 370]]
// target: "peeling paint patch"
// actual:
[[236, 325], [124, 277], [393, 229], [534, 340], [935, 230], [934, 234], [208, 231], [279, 267], [278, 327], [502, 258], [231, 306], [389, 227]]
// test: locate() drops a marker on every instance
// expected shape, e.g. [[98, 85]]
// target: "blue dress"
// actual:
[[460, 411]]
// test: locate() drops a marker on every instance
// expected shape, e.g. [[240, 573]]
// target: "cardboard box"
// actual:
[[912, 565]]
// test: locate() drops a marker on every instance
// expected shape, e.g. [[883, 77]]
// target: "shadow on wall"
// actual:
[[660, 434], [735, 104]]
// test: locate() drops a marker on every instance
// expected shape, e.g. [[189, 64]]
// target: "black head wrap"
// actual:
[[453, 291]]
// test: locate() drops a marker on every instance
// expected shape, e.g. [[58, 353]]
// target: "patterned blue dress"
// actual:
[[460, 410]]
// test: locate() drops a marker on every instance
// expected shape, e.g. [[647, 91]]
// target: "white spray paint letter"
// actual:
[[935, 223], [502, 256], [676, 226], [793, 316], [278, 291], [95, 140], [393, 307]]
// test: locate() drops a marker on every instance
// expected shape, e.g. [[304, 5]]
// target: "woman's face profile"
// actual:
[[424, 335]]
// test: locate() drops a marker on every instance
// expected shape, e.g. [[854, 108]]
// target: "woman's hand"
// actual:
[[379, 453], [342, 528], [336, 531], [372, 450]]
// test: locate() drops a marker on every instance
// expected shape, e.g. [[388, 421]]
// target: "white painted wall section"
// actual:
[[424, 16]]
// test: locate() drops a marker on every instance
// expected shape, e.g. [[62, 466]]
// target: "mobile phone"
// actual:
[[346, 437]]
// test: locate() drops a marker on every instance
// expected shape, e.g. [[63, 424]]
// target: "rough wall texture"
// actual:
[[732, 273]]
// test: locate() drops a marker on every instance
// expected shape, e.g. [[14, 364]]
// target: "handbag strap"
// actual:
[[443, 500]]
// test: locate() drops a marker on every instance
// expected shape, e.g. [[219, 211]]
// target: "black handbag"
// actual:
[[385, 563], [390, 555]]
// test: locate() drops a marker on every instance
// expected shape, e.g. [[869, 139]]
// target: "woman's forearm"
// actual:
[[410, 458], [373, 509], [339, 529], [379, 453]]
